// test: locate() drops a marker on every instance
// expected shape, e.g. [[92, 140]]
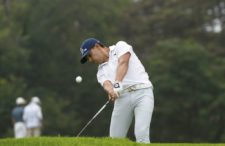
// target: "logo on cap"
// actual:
[[83, 50]]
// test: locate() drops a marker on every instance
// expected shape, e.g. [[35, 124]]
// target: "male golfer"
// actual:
[[124, 78]]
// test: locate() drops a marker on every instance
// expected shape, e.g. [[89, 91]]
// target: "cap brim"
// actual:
[[83, 59]]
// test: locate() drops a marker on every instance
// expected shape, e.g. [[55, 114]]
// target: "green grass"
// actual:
[[84, 141]]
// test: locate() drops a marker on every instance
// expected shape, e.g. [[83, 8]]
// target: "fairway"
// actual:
[[87, 141]]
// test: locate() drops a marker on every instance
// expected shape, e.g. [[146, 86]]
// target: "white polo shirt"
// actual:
[[136, 73], [32, 115]]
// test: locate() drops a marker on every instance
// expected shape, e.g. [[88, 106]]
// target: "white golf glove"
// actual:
[[118, 87]]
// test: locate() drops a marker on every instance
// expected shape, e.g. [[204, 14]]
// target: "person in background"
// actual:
[[33, 117], [17, 118]]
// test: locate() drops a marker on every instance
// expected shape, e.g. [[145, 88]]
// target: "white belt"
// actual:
[[134, 88]]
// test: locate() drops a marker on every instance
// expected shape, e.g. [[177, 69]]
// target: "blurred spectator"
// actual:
[[33, 117], [17, 118]]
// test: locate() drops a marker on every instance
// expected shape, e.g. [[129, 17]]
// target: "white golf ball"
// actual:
[[78, 79]]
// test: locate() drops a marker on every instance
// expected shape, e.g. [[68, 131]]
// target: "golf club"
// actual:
[[101, 109]]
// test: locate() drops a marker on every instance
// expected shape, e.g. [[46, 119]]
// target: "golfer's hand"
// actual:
[[113, 95], [112, 89]]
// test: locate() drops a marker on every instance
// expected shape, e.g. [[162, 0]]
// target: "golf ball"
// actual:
[[78, 79]]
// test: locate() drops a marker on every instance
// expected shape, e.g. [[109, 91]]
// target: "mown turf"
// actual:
[[84, 141]]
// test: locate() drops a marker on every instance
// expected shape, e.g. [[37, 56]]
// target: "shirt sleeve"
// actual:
[[101, 77], [122, 48]]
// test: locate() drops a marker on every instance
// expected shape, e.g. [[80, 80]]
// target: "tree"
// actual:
[[42, 38], [185, 89], [186, 65]]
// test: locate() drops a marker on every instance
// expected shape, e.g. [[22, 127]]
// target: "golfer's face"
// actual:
[[95, 55]]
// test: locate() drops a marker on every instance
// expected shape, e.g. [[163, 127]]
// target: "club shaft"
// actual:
[[101, 109]]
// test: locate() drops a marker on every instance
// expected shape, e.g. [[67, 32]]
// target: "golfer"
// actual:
[[124, 78]]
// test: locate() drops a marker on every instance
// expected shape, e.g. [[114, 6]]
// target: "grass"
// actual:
[[85, 141]]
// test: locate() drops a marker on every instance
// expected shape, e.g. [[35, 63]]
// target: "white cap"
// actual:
[[35, 99], [20, 100]]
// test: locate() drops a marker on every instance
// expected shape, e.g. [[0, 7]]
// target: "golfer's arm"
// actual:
[[108, 86], [122, 66]]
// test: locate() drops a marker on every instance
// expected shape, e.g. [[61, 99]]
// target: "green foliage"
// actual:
[[39, 44], [186, 65], [185, 89]]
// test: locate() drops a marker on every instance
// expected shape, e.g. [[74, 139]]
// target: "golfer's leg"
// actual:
[[121, 118], [143, 114]]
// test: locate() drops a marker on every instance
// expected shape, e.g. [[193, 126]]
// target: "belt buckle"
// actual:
[[130, 89]]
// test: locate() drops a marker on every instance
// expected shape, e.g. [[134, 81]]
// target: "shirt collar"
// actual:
[[111, 48]]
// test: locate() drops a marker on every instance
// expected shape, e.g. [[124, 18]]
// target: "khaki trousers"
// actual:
[[34, 132]]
